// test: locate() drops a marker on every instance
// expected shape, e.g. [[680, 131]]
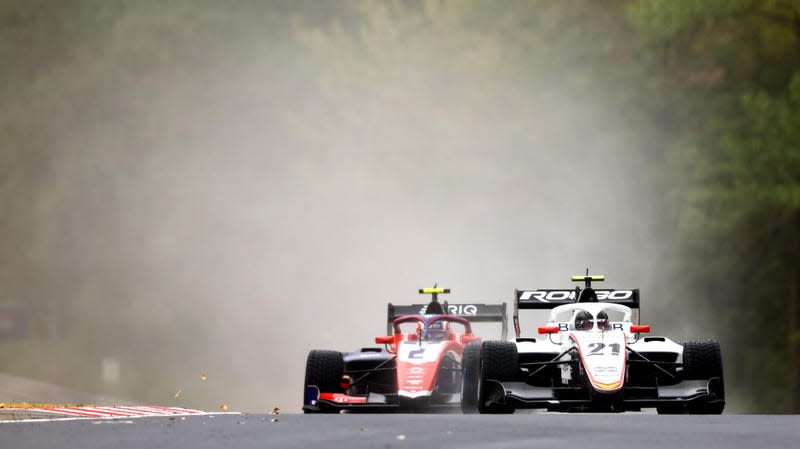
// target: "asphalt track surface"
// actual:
[[624, 431]]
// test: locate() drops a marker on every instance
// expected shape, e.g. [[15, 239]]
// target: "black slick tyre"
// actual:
[[323, 370], [470, 376], [702, 360], [499, 362]]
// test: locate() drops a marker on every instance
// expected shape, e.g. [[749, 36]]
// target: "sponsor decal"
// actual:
[[456, 309], [615, 295], [462, 309], [564, 295], [558, 295], [544, 296]]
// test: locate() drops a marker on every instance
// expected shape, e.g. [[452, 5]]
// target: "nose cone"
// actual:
[[415, 379], [604, 358], [417, 366]]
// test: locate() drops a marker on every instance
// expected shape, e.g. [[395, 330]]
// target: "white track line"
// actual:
[[116, 411], [68, 411], [140, 411], [84, 418], [121, 411], [111, 412], [171, 410]]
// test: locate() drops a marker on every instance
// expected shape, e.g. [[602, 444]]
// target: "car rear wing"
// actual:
[[474, 312], [551, 298]]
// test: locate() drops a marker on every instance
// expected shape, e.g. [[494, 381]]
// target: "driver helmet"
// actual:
[[583, 321], [602, 321], [437, 330]]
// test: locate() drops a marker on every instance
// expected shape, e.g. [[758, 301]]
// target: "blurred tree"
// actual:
[[461, 65], [735, 66], [95, 95]]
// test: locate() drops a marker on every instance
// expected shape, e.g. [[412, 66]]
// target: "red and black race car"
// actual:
[[418, 369]]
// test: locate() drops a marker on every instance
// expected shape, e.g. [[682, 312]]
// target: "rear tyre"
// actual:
[[470, 376], [702, 360], [499, 362], [323, 370]]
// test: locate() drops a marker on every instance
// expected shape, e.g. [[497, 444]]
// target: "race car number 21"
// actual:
[[598, 348]]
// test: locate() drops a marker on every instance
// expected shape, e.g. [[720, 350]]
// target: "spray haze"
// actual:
[[224, 196]]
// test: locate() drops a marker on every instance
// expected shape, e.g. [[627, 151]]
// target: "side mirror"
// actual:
[[385, 340], [548, 330], [636, 329]]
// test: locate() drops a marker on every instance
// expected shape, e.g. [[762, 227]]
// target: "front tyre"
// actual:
[[499, 362], [323, 370], [471, 376], [702, 360]]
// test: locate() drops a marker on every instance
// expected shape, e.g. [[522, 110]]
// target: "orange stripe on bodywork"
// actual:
[[611, 386], [601, 386]]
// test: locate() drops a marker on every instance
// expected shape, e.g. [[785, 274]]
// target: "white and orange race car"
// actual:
[[417, 370], [590, 357]]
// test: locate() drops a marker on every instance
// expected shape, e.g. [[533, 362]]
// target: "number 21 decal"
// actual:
[[598, 348]]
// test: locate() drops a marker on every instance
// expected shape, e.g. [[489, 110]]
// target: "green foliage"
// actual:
[[737, 154], [752, 167], [659, 20]]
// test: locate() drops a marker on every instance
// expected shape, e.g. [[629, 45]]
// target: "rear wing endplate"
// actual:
[[473, 312]]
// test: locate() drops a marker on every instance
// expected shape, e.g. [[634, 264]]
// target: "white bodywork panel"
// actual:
[[602, 351]]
